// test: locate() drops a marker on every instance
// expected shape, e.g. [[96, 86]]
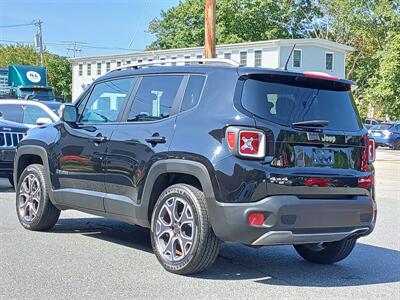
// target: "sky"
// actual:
[[98, 23]]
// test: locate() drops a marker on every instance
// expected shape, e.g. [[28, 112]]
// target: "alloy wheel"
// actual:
[[29, 197], [175, 230]]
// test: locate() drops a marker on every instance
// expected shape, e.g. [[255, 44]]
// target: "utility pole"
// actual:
[[209, 46], [39, 39]]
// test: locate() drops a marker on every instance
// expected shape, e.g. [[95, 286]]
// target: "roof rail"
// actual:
[[217, 61]]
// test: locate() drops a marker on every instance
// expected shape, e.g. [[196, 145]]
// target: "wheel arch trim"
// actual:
[[33, 150], [193, 168]]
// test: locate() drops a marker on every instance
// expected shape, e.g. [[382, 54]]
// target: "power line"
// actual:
[[71, 44], [17, 25]]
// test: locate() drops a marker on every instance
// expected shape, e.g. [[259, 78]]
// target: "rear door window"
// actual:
[[12, 112], [155, 98], [285, 104]]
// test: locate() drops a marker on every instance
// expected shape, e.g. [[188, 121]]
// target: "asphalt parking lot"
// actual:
[[92, 257]]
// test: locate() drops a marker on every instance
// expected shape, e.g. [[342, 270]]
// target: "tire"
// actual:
[[326, 253], [188, 229], [34, 208]]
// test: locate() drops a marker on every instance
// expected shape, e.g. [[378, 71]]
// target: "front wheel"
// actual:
[[181, 235], [326, 253], [34, 208]]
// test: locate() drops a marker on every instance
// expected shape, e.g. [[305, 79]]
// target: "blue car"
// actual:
[[386, 135]]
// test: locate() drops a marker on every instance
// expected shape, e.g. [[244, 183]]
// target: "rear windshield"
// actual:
[[382, 127], [285, 104]]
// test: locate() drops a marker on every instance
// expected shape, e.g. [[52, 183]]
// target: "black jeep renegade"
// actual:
[[208, 153]]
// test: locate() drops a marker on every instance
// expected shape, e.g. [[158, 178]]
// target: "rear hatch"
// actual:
[[316, 144]]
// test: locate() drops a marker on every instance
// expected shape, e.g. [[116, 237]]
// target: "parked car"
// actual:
[[208, 153], [386, 135], [368, 123], [30, 113], [11, 134]]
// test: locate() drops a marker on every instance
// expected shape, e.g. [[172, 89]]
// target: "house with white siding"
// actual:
[[316, 55]]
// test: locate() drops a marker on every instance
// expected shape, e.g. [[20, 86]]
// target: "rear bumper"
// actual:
[[290, 220]]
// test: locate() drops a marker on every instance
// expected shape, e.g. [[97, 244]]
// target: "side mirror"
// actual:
[[43, 121], [68, 113]]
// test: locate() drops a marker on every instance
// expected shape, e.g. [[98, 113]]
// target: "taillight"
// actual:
[[368, 152], [371, 151], [246, 142], [387, 133], [231, 139], [366, 182]]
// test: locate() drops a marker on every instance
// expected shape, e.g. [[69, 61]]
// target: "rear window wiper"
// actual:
[[311, 123]]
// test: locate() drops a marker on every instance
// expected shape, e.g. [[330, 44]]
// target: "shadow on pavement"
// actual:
[[279, 265]]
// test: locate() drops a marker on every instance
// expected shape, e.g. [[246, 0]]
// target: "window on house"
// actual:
[[297, 58], [108, 66], [89, 69], [173, 63], [257, 58], [80, 69], [98, 68], [227, 55], [187, 57], [139, 61], [150, 59], [329, 61], [199, 56], [162, 58], [128, 62], [243, 58], [118, 63]]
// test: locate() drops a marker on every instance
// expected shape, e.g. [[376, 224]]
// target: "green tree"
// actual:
[[237, 21], [384, 88], [58, 67]]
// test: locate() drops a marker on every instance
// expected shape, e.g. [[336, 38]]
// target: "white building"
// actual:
[[308, 55]]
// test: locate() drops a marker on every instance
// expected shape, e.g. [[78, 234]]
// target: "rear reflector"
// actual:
[[256, 218]]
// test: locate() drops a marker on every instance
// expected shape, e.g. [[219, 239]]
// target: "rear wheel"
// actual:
[[181, 235], [34, 208], [326, 253]]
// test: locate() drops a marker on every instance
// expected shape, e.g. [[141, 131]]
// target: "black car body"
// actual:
[[280, 157], [11, 134]]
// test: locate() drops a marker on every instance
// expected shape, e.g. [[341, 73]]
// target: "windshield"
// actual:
[[288, 103], [39, 94], [382, 127]]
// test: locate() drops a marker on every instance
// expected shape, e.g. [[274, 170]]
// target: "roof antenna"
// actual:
[[290, 55]]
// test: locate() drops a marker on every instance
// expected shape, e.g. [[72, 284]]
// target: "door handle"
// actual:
[[100, 138], [156, 140]]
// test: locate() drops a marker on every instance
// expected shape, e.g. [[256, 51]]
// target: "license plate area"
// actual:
[[322, 157], [7, 155]]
